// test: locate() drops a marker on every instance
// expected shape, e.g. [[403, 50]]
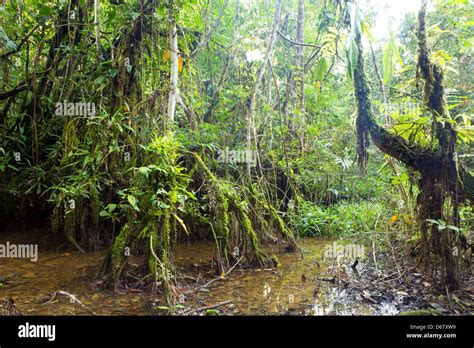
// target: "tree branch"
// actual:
[[296, 42], [18, 47], [13, 92], [208, 36]]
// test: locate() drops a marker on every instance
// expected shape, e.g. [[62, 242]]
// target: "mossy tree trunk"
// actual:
[[443, 180]]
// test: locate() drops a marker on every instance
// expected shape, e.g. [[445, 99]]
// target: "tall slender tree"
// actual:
[[301, 72], [174, 92], [250, 117]]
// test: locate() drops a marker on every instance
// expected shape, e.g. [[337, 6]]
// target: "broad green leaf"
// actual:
[[390, 56], [387, 62], [356, 18], [144, 170], [367, 30], [321, 69], [133, 202], [454, 228], [352, 55]]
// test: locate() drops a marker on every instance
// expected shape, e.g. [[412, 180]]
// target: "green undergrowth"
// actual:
[[343, 218]]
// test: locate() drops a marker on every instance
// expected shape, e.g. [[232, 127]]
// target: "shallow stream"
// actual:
[[301, 285]]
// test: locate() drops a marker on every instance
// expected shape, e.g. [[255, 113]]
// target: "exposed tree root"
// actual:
[[229, 221]]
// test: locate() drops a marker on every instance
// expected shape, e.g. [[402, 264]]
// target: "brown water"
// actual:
[[295, 287]]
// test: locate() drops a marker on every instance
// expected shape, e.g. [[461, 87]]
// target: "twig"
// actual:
[[373, 254], [208, 36], [221, 277], [295, 42], [73, 298], [200, 309]]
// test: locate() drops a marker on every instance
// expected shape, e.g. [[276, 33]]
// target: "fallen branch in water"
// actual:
[[72, 298], [221, 277], [200, 309]]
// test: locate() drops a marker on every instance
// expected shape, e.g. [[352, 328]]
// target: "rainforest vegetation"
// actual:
[[134, 127]]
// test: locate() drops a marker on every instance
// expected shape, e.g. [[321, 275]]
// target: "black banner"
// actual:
[[238, 330]]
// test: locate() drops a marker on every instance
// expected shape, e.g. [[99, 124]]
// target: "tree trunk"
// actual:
[[438, 166], [388, 123], [173, 97], [227, 62], [97, 28], [300, 60], [251, 128]]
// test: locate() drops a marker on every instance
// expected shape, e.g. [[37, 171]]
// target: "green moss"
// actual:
[[284, 230], [251, 234], [281, 224], [118, 248], [275, 261], [211, 176], [223, 224], [70, 226], [95, 208], [165, 237], [282, 227], [159, 236], [55, 220], [152, 261]]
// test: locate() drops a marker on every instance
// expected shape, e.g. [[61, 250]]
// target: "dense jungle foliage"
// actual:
[[135, 125]]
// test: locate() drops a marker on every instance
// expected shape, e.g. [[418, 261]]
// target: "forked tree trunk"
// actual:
[[443, 180]]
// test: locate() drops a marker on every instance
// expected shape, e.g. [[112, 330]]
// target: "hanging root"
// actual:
[[161, 267], [229, 217], [223, 222], [284, 230], [251, 234], [229, 199], [363, 110], [117, 255], [70, 229]]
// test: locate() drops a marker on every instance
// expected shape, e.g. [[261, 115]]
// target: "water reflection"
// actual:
[[295, 287]]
